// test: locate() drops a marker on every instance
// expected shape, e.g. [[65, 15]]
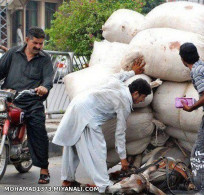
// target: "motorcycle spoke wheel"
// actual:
[[3, 161]]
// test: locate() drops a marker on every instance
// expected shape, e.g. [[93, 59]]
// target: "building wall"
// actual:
[[25, 17], [41, 9]]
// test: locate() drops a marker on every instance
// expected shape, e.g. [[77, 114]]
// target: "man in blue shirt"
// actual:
[[190, 58]]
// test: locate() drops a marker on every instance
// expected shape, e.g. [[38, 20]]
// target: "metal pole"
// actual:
[[3, 22], [71, 56]]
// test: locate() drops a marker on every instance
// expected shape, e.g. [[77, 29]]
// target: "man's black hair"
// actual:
[[36, 32], [189, 53], [140, 85]]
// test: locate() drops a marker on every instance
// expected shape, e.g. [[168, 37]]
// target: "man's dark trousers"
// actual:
[[38, 141], [197, 159]]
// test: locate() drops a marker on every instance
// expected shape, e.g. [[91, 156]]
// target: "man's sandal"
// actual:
[[75, 184], [45, 179]]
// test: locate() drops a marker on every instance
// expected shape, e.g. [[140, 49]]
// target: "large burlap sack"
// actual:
[[133, 148], [122, 26], [86, 79], [185, 16], [93, 77], [165, 110], [160, 137], [138, 146], [139, 126], [187, 145], [106, 54], [181, 134], [160, 48], [149, 98]]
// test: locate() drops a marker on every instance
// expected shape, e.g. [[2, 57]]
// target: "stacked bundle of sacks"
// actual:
[[157, 37], [165, 29]]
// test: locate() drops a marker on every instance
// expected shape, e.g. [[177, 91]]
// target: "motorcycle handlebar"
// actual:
[[30, 92]]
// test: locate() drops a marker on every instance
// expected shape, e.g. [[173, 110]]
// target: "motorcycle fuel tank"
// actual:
[[16, 115]]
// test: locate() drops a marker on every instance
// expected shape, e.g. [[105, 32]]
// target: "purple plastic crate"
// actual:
[[188, 101]]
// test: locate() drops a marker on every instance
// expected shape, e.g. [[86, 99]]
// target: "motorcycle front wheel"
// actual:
[[4, 158], [24, 166]]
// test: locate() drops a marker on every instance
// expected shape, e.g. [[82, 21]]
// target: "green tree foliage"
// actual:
[[78, 23], [150, 4]]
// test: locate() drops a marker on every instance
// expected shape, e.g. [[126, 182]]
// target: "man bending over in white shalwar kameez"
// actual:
[[80, 129]]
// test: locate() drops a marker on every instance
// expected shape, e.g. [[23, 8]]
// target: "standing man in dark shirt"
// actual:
[[29, 67]]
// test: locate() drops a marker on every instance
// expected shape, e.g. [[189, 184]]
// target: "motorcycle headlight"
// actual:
[[2, 105]]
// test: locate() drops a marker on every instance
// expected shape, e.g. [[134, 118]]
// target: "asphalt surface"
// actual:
[[13, 179]]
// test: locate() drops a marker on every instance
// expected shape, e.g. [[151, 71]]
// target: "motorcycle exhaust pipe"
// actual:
[[2, 144]]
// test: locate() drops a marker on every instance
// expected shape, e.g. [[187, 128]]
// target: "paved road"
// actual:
[[12, 179]]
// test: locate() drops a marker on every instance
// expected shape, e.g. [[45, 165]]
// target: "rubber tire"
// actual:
[[6, 162], [19, 167]]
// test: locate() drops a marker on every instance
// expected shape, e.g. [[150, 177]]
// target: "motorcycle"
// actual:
[[13, 142]]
